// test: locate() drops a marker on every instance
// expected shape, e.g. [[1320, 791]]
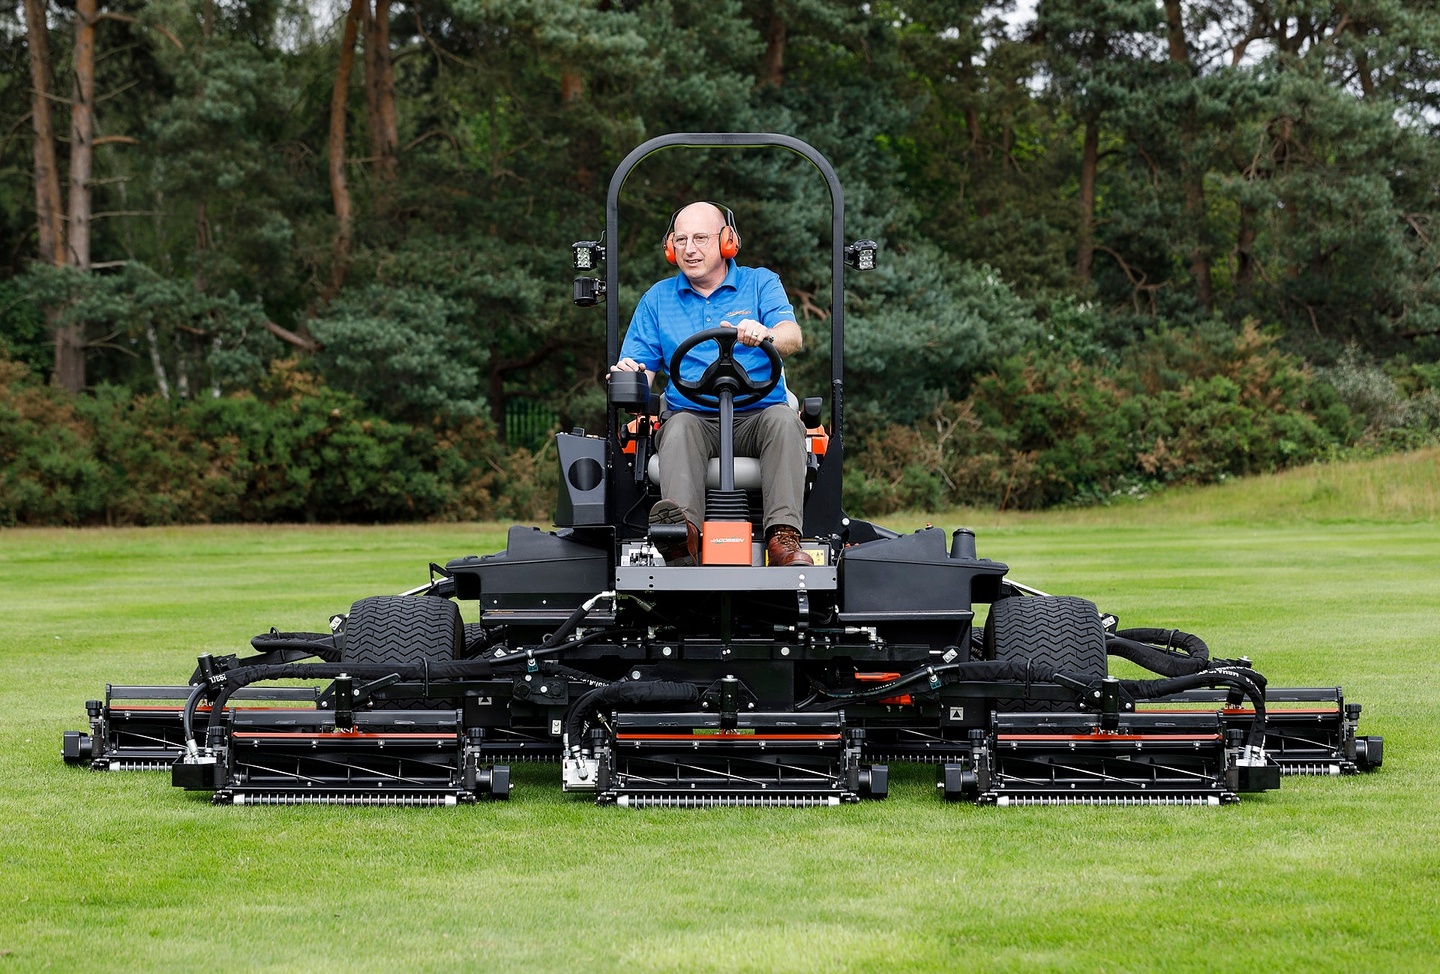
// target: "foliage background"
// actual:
[[1125, 243]]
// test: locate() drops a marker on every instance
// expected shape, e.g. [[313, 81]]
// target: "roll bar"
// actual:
[[823, 509], [745, 140]]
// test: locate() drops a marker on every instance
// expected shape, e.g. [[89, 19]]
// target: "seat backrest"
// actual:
[[747, 472], [747, 469]]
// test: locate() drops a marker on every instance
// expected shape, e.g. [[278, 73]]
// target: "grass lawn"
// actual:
[[1325, 576]]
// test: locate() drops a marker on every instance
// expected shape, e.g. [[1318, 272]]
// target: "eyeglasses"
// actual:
[[700, 240]]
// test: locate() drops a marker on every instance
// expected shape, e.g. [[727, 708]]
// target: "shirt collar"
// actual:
[[730, 274]]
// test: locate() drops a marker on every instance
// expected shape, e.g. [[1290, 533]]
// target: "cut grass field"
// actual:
[[1325, 576]]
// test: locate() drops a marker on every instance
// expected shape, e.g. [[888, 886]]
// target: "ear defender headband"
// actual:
[[729, 236]]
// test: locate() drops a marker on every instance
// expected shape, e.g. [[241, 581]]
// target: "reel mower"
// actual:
[[727, 682]]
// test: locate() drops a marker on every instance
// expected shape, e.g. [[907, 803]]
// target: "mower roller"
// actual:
[[730, 681]]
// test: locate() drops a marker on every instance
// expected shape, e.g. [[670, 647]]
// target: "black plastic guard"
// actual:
[[914, 577], [539, 571]]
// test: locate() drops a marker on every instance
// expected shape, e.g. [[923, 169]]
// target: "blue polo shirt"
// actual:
[[672, 311]]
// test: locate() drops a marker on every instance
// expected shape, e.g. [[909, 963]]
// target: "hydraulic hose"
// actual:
[[568, 626], [975, 671], [1168, 652], [554, 641], [235, 679], [188, 718], [1156, 660], [623, 694], [1171, 639], [1249, 682], [521, 655], [554, 668]]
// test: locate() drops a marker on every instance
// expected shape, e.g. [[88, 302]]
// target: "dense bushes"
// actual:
[[48, 470], [297, 452], [1065, 422], [1051, 427]]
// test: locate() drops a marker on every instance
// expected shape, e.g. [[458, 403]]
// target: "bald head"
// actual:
[[702, 243], [706, 212]]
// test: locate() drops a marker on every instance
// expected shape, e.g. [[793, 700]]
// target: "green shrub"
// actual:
[[48, 474], [1394, 411], [1047, 427], [299, 451]]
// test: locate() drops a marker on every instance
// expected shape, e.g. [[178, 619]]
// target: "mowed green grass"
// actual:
[[1325, 576]]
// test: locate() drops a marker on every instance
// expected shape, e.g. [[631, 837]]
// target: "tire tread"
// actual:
[[403, 629], [1060, 632]]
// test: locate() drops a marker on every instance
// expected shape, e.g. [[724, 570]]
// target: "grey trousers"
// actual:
[[775, 435]]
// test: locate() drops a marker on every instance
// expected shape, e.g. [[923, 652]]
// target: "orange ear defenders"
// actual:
[[729, 236]]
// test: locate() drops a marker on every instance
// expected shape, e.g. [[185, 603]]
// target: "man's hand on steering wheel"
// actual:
[[752, 333]]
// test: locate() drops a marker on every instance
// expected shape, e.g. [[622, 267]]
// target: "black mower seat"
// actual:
[[747, 469], [747, 472]]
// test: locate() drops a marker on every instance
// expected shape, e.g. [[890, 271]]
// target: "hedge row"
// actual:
[[1050, 428], [297, 452]]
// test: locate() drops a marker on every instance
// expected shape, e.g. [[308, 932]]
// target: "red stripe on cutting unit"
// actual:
[[727, 735], [1107, 737]]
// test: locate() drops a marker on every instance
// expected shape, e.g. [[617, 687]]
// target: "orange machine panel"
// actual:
[[725, 543]]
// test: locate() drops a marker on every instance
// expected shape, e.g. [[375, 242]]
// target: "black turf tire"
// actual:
[[1060, 632], [475, 636], [403, 629]]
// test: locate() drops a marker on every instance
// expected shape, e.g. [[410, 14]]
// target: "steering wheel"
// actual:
[[725, 372]]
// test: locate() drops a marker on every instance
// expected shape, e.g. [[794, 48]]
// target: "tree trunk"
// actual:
[[380, 92], [1363, 73], [372, 86], [1245, 252], [495, 395], [157, 363], [1191, 174], [49, 216], [1196, 209], [339, 188], [389, 118], [979, 164], [1089, 165], [82, 135], [572, 86], [70, 339], [772, 62], [978, 153], [203, 237]]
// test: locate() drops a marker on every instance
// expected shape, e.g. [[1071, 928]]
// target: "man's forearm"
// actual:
[[787, 337]]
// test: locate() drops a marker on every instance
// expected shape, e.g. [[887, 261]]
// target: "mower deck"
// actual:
[[1314, 740], [141, 728], [689, 759]]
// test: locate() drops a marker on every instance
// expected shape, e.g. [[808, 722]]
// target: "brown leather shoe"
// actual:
[[677, 553], [783, 549]]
